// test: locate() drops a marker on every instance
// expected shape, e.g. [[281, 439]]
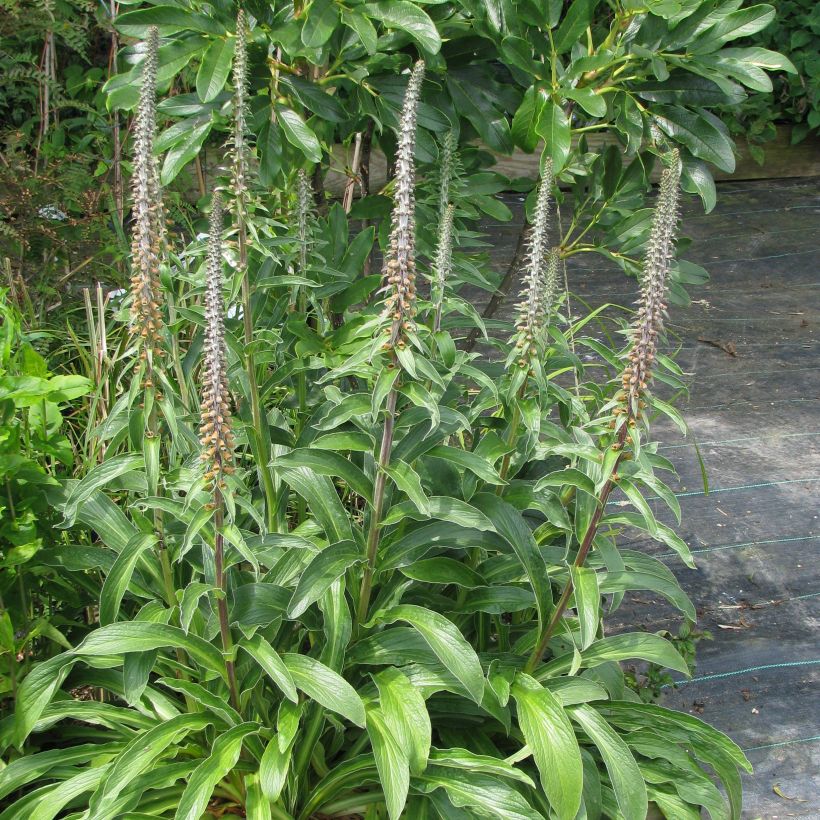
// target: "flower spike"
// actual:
[[215, 431], [239, 138], [149, 219], [443, 264], [652, 305], [400, 265], [540, 277]]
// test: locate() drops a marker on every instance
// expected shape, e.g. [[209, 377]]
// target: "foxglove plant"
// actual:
[[637, 371], [399, 307], [240, 150], [648, 325], [216, 433]]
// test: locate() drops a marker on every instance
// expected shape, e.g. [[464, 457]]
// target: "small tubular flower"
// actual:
[[651, 312], [149, 218], [540, 275], [400, 264], [216, 434]]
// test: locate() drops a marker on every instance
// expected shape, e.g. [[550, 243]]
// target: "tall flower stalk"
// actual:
[[637, 373], [399, 306], [536, 300], [216, 434], [147, 244], [538, 292], [149, 227], [239, 191], [443, 263]]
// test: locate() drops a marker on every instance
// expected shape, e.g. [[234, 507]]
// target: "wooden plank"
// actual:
[[781, 160]]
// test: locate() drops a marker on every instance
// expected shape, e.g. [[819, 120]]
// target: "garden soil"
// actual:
[[749, 346]]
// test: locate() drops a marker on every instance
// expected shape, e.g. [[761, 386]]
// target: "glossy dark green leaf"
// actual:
[[408, 17], [184, 151], [320, 23], [573, 24], [298, 133], [168, 19], [553, 125], [701, 136], [215, 68]]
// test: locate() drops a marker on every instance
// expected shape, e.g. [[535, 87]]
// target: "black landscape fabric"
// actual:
[[749, 346]]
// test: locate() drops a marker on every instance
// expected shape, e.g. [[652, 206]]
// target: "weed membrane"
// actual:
[[750, 345]]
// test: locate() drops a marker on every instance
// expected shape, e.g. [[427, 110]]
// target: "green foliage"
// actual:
[[792, 96], [369, 575], [36, 453]]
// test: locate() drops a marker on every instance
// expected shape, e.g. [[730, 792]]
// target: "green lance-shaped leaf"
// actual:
[[215, 68], [391, 761], [320, 23], [98, 477], [511, 526], [573, 25], [405, 713], [630, 646], [203, 780], [134, 636], [327, 463], [323, 500], [446, 641], [326, 687], [267, 657], [587, 602], [30, 767], [117, 580], [490, 796], [36, 691], [624, 774], [550, 735], [318, 576], [137, 757], [275, 762]]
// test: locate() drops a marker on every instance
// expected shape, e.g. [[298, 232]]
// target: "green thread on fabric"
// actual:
[[783, 743], [763, 668], [721, 547]]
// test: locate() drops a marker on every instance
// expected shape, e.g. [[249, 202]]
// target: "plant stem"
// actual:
[[580, 558], [222, 602], [378, 500], [262, 453], [512, 437]]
